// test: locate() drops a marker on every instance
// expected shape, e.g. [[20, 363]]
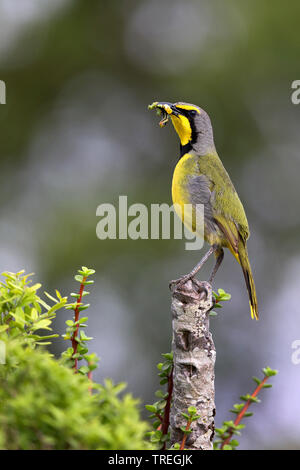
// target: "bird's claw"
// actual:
[[197, 285], [178, 283]]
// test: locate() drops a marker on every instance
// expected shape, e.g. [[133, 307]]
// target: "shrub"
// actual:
[[43, 403]]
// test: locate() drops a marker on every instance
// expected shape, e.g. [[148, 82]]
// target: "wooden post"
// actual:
[[194, 362]]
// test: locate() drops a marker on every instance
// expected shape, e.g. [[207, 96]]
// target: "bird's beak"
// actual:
[[166, 109]]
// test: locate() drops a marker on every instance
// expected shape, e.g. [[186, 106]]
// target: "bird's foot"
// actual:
[[178, 283], [188, 286]]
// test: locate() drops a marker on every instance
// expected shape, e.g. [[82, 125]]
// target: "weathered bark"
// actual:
[[194, 361]]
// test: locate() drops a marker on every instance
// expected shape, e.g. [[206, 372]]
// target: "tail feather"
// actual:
[[245, 264]]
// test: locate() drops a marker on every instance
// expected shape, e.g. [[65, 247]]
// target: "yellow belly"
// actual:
[[180, 193]]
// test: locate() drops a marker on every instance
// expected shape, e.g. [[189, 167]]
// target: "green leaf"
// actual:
[[83, 307], [83, 336], [83, 370], [213, 314], [234, 443], [42, 324], [151, 408], [86, 271], [34, 314], [192, 410], [186, 431], [226, 297], [229, 424], [239, 426], [163, 381], [238, 406], [195, 417], [168, 356], [269, 372], [50, 297], [256, 380], [161, 404]]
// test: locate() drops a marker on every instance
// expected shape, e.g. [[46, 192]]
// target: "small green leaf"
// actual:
[[234, 443], [83, 370], [192, 410], [151, 408], [168, 356], [269, 372], [213, 314], [83, 307], [256, 380]]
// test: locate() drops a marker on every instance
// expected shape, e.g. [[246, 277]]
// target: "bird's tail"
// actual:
[[245, 264]]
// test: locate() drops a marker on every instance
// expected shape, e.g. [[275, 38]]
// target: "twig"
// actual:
[[185, 434], [76, 319], [166, 418], [242, 412]]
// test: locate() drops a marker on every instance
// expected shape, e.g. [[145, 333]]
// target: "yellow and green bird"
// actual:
[[200, 178]]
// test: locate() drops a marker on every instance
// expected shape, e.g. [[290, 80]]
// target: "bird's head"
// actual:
[[191, 123]]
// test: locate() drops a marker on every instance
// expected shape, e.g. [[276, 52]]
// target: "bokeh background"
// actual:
[[75, 133]]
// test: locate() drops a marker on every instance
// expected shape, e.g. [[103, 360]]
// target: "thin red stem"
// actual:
[[243, 411], [76, 318], [185, 435], [90, 377], [166, 419]]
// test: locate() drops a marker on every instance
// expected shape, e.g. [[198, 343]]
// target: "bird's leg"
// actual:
[[219, 256], [182, 280]]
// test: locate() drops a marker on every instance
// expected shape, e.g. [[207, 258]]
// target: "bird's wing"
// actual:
[[229, 229], [202, 191]]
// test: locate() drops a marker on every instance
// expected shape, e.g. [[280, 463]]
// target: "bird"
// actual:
[[200, 178]]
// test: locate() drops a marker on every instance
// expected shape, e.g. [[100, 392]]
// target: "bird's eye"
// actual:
[[193, 112]]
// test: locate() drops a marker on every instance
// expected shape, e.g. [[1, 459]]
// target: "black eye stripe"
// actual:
[[187, 112]]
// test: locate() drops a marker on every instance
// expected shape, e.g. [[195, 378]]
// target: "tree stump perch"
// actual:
[[194, 361]]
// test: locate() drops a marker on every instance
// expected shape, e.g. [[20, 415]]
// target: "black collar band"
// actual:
[[185, 149]]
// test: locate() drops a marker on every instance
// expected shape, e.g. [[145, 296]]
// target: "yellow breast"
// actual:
[[180, 194]]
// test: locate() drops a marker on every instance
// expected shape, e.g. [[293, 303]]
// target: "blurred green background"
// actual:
[[75, 133]]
